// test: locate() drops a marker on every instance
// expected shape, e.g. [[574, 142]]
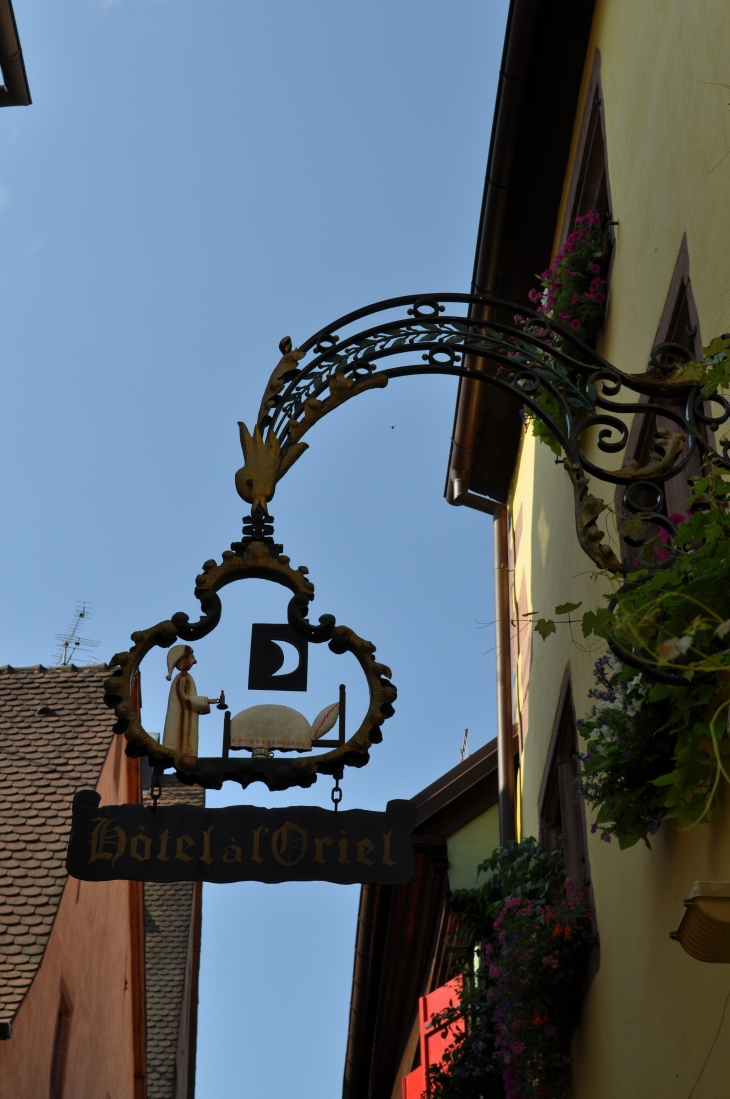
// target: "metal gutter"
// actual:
[[15, 92], [505, 735], [485, 280]]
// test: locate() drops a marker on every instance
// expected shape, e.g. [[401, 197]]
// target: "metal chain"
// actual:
[[337, 792], [155, 789]]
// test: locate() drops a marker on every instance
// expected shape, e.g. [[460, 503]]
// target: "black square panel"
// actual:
[[267, 657]]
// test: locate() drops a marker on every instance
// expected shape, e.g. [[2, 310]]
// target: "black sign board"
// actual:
[[267, 657], [240, 843]]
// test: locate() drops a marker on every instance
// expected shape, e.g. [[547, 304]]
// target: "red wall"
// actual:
[[94, 954]]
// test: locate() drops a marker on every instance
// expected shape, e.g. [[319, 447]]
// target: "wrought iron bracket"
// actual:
[[553, 375]]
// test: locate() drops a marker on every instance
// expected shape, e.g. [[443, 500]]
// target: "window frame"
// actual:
[[61, 1042], [559, 792]]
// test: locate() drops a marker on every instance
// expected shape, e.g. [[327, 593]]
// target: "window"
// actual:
[[591, 191], [60, 1046], [562, 814], [679, 324], [590, 187]]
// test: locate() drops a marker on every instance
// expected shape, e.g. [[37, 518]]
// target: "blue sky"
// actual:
[[193, 182]]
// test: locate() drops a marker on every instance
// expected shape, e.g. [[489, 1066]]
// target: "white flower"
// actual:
[[674, 647]]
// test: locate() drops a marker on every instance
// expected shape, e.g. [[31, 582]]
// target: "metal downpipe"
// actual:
[[505, 736]]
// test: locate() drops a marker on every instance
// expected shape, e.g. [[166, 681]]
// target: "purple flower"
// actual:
[[605, 837], [575, 324], [594, 269]]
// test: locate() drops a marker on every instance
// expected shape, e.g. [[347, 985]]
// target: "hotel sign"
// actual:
[[240, 843]]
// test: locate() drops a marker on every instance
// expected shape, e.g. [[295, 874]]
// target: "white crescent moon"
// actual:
[[291, 658]]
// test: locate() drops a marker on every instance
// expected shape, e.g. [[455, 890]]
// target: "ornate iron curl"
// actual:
[[296, 614], [212, 608]]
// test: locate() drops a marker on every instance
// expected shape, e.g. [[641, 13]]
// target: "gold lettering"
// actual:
[[162, 854], [256, 856], [100, 837], [364, 847], [342, 857], [319, 848], [387, 861], [134, 843], [233, 847], [290, 839], [183, 844], [205, 857]]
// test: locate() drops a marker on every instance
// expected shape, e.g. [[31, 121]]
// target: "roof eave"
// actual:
[[537, 98], [15, 92]]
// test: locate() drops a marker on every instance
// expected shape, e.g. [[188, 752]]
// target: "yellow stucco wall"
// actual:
[[470, 846], [652, 1012]]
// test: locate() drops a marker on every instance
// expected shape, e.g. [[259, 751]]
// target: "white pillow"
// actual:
[[324, 720]]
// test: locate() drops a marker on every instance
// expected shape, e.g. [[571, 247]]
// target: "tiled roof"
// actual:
[[54, 736], [168, 909]]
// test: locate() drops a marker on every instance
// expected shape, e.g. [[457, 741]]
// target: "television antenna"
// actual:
[[71, 644], [464, 752]]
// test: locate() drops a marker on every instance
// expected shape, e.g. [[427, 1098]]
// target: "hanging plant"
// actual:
[[572, 289], [572, 292], [532, 934], [657, 737], [646, 755]]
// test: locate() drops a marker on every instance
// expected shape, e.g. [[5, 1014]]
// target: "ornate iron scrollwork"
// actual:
[[555, 376]]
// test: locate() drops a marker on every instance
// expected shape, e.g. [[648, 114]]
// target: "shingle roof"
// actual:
[[54, 736], [168, 910]]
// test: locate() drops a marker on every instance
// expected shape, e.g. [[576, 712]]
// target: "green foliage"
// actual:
[[545, 626], [629, 747], [712, 371], [659, 750], [516, 870], [519, 1005], [566, 608]]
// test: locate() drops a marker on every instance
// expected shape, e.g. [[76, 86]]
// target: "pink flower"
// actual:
[[575, 324], [594, 269]]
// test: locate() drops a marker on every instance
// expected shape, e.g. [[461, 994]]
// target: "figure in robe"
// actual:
[[184, 704]]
